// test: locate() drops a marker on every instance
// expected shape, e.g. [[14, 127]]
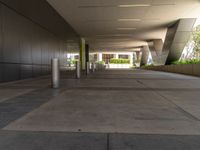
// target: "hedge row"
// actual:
[[192, 61], [119, 61]]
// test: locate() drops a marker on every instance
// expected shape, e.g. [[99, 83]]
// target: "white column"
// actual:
[[99, 57], [131, 58], [117, 56]]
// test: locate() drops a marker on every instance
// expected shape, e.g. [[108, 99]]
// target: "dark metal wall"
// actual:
[[27, 44]]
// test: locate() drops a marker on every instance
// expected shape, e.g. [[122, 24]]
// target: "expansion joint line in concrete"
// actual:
[[189, 115], [108, 142]]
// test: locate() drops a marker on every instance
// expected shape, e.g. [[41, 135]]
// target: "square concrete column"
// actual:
[[138, 53], [145, 55], [82, 54], [87, 52]]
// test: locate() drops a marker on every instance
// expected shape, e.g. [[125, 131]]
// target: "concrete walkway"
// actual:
[[108, 110]]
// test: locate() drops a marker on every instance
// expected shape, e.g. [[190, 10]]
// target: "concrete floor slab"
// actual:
[[109, 111], [52, 141], [153, 142], [10, 93], [164, 107], [16, 107], [188, 100], [172, 84]]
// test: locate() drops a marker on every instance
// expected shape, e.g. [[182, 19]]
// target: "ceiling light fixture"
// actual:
[[96, 6], [113, 35], [126, 28], [129, 19], [134, 5]]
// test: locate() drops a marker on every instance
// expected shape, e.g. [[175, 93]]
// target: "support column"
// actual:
[[87, 59], [175, 41], [87, 53], [82, 54], [131, 58], [138, 55], [183, 30], [156, 47], [138, 58], [99, 57], [117, 56], [145, 55]]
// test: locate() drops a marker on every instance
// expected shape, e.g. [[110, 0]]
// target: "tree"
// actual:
[[196, 39]]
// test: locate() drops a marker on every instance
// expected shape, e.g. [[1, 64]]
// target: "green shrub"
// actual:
[[149, 65], [74, 61], [182, 62], [100, 62], [119, 61]]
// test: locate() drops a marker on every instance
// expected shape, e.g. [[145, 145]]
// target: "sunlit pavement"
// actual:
[[107, 110]]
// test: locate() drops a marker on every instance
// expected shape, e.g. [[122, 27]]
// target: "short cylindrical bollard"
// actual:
[[93, 67], [88, 68], [55, 73], [78, 70]]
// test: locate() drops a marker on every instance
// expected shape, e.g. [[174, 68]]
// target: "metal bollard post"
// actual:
[[88, 68], [93, 67], [55, 73], [78, 70]]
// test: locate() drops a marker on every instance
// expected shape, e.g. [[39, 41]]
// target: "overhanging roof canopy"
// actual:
[[122, 24]]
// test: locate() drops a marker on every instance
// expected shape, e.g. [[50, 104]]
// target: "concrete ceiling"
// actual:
[[123, 24]]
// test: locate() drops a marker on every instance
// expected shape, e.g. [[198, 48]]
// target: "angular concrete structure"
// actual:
[[177, 38], [156, 47], [145, 55]]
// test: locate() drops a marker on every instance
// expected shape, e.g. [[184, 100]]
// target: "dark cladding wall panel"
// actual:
[[1, 37], [36, 46], [26, 71], [11, 72], [10, 27], [27, 47], [62, 54], [45, 48], [42, 13], [1, 72], [25, 44], [37, 70], [44, 69], [1, 50]]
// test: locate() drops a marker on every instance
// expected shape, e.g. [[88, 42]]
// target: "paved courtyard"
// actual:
[[107, 110]]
